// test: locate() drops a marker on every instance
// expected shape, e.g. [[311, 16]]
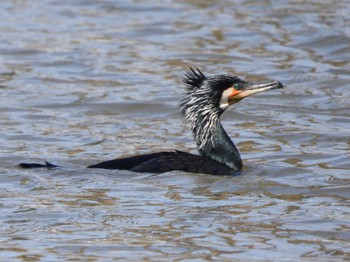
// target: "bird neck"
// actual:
[[213, 141]]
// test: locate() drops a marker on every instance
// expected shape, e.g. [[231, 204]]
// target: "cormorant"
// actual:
[[205, 99]]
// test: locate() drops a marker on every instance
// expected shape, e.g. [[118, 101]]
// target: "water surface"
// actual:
[[86, 81]]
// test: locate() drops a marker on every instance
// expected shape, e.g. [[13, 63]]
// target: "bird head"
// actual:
[[220, 91]]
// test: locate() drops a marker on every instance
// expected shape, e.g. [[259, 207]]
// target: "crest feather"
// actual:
[[194, 78]]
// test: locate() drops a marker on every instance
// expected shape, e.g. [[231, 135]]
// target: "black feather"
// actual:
[[167, 161], [194, 78], [127, 163], [186, 162], [36, 165]]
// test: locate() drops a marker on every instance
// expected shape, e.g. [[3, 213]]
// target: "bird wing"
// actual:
[[128, 163], [182, 161]]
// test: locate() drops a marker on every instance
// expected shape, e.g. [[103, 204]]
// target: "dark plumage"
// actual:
[[205, 99], [166, 161]]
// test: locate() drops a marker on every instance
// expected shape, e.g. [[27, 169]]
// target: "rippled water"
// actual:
[[86, 81]]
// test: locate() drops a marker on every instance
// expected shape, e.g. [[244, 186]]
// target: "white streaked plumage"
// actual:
[[202, 117]]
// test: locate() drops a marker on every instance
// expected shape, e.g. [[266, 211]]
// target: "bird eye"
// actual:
[[238, 86]]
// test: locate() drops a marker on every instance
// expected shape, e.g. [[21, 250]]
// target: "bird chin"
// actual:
[[224, 106]]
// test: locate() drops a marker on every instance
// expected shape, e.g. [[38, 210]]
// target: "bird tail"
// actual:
[[36, 165]]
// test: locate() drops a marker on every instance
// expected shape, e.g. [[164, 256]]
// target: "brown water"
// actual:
[[86, 81]]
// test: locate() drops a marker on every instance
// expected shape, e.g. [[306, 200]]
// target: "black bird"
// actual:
[[206, 98]]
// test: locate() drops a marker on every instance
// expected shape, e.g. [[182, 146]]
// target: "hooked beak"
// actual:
[[253, 88]]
